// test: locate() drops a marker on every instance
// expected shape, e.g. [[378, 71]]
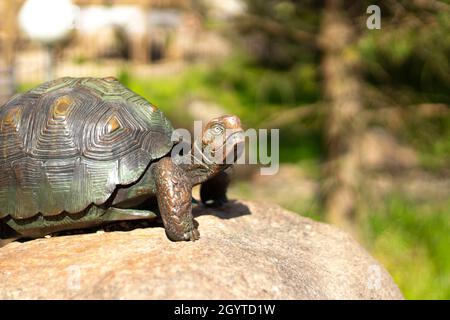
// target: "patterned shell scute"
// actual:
[[69, 142]]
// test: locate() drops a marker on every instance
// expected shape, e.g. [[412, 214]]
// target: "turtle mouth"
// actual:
[[234, 145]]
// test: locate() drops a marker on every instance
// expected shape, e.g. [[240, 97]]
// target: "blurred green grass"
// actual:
[[412, 241]]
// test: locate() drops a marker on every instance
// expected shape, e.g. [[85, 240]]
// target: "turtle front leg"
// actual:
[[174, 194], [213, 192]]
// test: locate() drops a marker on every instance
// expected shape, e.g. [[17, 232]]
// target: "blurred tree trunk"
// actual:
[[342, 90]]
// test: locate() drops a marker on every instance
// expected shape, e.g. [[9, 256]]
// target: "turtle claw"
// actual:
[[192, 235], [186, 236]]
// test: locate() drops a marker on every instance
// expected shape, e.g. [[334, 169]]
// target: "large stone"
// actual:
[[247, 250]]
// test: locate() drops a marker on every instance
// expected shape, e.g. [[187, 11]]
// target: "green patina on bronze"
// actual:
[[78, 152]]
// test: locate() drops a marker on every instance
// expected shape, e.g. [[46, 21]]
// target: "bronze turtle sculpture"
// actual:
[[79, 152]]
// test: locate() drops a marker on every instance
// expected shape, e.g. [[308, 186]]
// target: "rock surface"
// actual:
[[247, 250]]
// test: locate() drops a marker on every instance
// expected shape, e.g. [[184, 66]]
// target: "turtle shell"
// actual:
[[69, 142]]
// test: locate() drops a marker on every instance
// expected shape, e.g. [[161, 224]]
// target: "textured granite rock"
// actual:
[[247, 250]]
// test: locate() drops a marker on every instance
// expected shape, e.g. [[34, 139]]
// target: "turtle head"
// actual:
[[222, 140]]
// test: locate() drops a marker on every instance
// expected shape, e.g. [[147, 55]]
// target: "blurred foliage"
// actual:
[[403, 65], [432, 142], [307, 207], [278, 33], [411, 59]]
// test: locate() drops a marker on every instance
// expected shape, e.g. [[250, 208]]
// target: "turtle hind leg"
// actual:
[[213, 192], [94, 216]]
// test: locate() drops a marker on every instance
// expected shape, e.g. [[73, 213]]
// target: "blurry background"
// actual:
[[363, 114]]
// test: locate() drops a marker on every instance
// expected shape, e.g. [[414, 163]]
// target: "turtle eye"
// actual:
[[217, 129]]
